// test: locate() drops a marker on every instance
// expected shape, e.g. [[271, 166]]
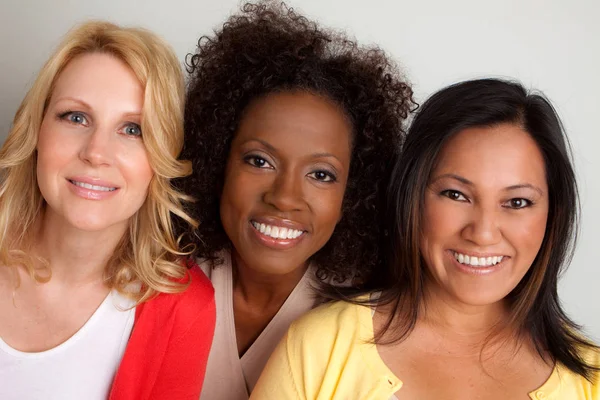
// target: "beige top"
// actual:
[[229, 377]]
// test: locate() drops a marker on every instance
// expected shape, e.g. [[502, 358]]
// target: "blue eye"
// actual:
[[132, 130], [74, 117], [454, 195], [323, 176]]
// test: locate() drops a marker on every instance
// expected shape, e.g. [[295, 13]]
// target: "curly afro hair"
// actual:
[[269, 48]]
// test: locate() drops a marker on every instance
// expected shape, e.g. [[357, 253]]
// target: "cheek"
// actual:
[[53, 155], [528, 234], [329, 208], [135, 167], [441, 218], [237, 200], [51, 150]]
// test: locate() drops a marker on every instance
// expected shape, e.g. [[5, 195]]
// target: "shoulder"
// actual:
[[326, 351], [204, 265], [195, 301], [570, 383], [591, 356], [200, 288], [328, 323]]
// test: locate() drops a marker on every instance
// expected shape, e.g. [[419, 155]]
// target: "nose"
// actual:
[[97, 147], [483, 228], [286, 192]]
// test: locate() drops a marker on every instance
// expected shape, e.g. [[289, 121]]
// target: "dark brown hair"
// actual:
[[535, 306], [268, 48]]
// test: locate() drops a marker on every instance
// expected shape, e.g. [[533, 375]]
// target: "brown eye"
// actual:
[[257, 161], [518, 203], [322, 176], [454, 195]]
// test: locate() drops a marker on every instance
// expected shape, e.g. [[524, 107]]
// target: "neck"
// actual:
[[471, 326], [263, 289], [75, 256]]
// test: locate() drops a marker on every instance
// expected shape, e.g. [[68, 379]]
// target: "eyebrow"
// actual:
[[506, 189], [273, 149], [74, 99]]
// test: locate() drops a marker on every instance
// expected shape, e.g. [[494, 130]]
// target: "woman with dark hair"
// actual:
[[291, 130], [482, 211]]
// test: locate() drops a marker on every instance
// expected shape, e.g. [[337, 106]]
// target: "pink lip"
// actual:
[[277, 244], [477, 270], [91, 194]]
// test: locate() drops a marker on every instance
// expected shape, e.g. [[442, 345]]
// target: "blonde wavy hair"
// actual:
[[148, 253]]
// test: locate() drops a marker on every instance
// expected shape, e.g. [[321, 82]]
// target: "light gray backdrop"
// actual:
[[552, 45]]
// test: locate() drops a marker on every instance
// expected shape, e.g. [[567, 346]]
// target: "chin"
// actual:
[[94, 224], [480, 298]]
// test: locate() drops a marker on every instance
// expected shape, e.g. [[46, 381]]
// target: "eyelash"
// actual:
[[64, 116], [450, 192], [528, 203], [252, 158], [329, 177]]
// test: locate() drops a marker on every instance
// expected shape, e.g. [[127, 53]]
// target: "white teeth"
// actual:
[[477, 261], [277, 232], [93, 187], [283, 233]]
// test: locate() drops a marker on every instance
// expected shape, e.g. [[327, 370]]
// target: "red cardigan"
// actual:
[[167, 352]]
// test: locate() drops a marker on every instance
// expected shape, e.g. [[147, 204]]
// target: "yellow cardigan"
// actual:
[[326, 355]]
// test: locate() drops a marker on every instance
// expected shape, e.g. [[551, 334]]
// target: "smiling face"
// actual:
[[485, 214], [285, 180], [92, 166]]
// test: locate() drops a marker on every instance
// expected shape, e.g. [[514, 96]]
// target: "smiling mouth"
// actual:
[[473, 261], [93, 187], [277, 232]]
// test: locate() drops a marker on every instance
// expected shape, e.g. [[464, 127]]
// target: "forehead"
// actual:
[[98, 74], [493, 157], [298, 120]]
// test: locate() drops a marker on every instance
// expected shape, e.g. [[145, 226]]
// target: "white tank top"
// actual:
[[82, 367]]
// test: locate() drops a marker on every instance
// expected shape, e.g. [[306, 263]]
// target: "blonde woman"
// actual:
[[94, 298]]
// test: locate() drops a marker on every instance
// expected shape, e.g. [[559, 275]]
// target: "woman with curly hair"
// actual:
[[95, 299], [291, 130], [482, 213]]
